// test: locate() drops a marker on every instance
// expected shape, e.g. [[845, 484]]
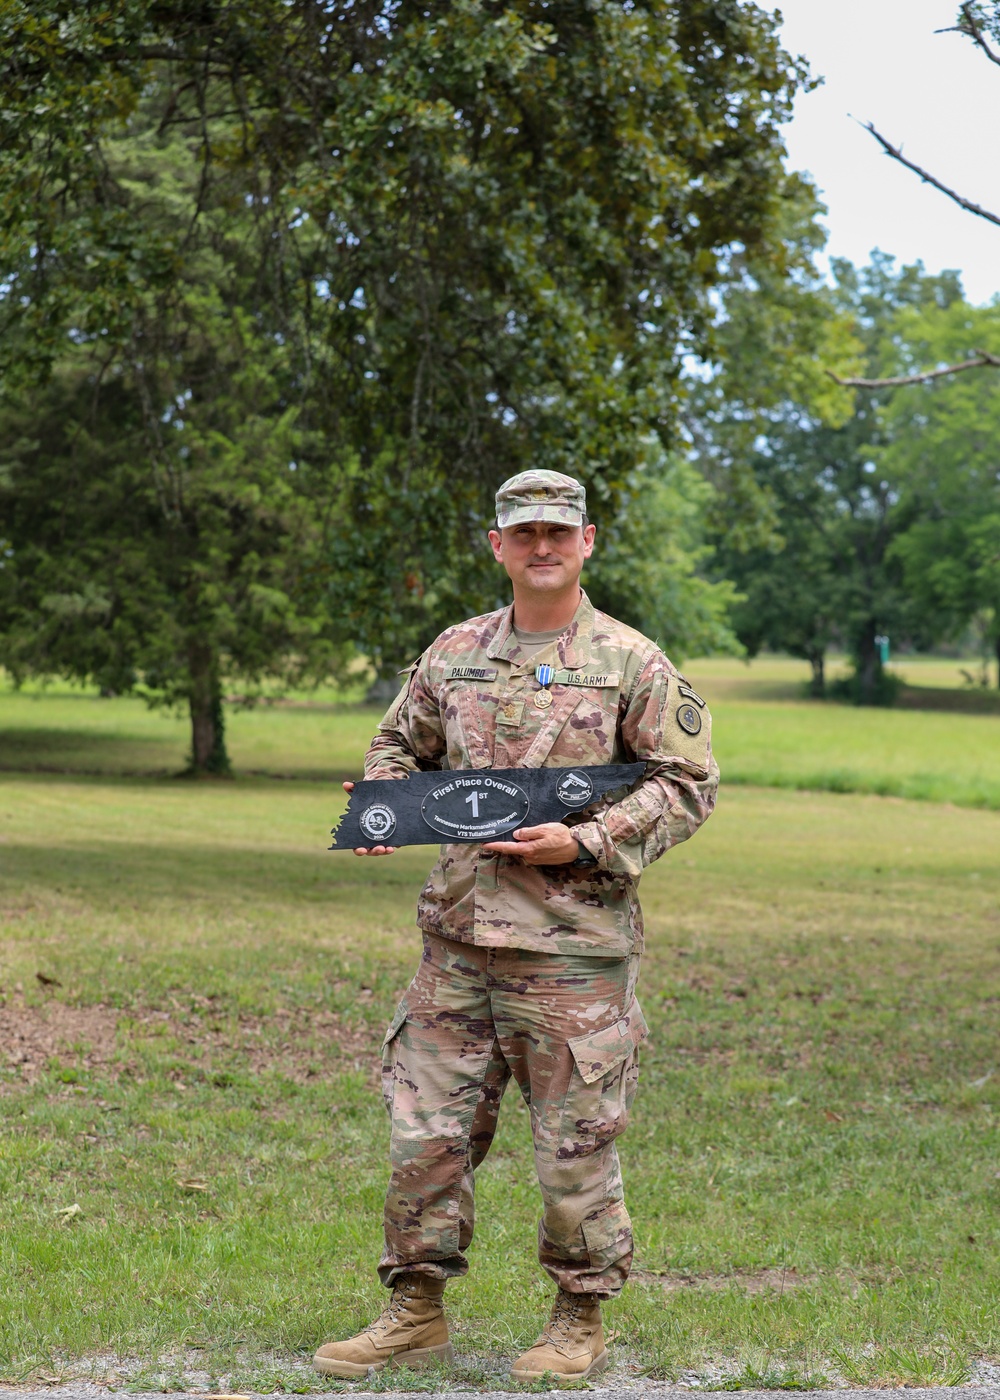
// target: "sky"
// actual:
[[935, 94]]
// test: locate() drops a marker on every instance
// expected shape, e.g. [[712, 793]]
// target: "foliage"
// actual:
[[458, 239], [828, 567], [942, 443], [168, 567], [647, 568]]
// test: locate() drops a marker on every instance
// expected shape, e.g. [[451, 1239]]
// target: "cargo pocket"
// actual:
[[390, 1050], [608, 1235], [603, 1085]]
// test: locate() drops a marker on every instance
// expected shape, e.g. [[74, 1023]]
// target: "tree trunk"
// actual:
[[817, 686], [208, 730], [998, 659], [869, 664]]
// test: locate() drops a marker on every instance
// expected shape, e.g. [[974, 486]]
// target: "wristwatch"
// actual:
[[584, 859]]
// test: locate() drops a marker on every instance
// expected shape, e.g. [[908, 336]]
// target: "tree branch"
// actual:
[[972, 31], [929, 179], [982, 357]]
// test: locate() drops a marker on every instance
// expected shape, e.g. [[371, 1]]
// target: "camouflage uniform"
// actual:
[[530, 971]]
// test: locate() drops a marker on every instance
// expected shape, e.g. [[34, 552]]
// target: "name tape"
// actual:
[[471, 673]]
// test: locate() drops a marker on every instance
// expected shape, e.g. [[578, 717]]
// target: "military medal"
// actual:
[[543, 697]]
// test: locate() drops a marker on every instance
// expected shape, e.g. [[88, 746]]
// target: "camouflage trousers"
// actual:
[[567, 1029]]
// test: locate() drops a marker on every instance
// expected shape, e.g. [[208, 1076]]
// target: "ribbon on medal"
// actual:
[[543, 697]]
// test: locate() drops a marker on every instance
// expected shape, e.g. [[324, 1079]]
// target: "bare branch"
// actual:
[[982, 357], [929, 179]]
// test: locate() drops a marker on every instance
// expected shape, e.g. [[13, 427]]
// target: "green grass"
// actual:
[[812, 1166], [832, 748], [765, 735], [74, 731]]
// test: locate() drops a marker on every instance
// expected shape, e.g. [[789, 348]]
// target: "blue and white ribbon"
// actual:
[[544, 674]]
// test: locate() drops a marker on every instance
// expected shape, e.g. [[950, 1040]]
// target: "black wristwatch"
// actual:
[[584, 859]]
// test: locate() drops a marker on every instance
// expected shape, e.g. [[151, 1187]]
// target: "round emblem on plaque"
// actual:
[[475, 807], [689, 719], [378, 822], [575, 790]]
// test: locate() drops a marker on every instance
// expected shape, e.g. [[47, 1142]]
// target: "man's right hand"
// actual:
[[370, 850]]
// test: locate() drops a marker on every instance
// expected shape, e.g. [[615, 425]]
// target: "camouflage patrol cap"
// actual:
[[538, 495]]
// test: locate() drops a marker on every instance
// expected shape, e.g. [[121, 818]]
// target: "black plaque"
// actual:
[[471, 805]]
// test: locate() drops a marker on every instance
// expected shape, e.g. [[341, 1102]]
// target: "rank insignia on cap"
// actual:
[[689, 719]]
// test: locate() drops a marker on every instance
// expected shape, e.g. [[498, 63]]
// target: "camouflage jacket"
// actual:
[[467, 703]]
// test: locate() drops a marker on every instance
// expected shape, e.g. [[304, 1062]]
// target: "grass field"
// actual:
[[193, 1162], [766, 735]]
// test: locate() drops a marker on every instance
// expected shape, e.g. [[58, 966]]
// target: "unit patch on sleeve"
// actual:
[[689, 719], [471, 673]]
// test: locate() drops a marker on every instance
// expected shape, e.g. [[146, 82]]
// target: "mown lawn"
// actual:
[[766, 734], [812, 1167]]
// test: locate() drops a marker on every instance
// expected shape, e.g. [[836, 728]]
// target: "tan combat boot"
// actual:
[[572, 1345], [410, 1332]]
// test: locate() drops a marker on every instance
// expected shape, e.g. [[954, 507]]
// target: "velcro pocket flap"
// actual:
[[599, 1052], [395, 1023]]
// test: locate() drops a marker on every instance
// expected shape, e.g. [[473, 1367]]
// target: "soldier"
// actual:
[[531, 945]]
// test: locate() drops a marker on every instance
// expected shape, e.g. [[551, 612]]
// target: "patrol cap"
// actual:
[[538, 495]]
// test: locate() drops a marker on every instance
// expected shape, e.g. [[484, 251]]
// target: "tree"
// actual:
[[650, 564], [169, 575], [942, 443], [462, 237], [832, 566], [161, 508]]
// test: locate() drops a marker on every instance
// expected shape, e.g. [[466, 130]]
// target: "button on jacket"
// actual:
[[468, 703]]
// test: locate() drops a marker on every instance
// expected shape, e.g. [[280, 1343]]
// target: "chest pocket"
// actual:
[[579, 728], [593, 725]]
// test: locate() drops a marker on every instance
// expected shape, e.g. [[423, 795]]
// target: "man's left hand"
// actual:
[[548, 844]]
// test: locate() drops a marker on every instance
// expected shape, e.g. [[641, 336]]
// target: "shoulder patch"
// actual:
[[471, 673], [689, 719], [687, 729]]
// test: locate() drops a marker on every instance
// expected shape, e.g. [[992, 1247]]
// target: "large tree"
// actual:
[[162, 510], [433, 244]]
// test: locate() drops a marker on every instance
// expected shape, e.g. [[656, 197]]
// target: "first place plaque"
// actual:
[[471, 805]]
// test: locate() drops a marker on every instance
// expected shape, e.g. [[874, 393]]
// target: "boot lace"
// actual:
[[565, 1317], [389, 1315]]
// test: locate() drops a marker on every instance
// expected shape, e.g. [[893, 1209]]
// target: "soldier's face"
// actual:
[[543, 556]]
